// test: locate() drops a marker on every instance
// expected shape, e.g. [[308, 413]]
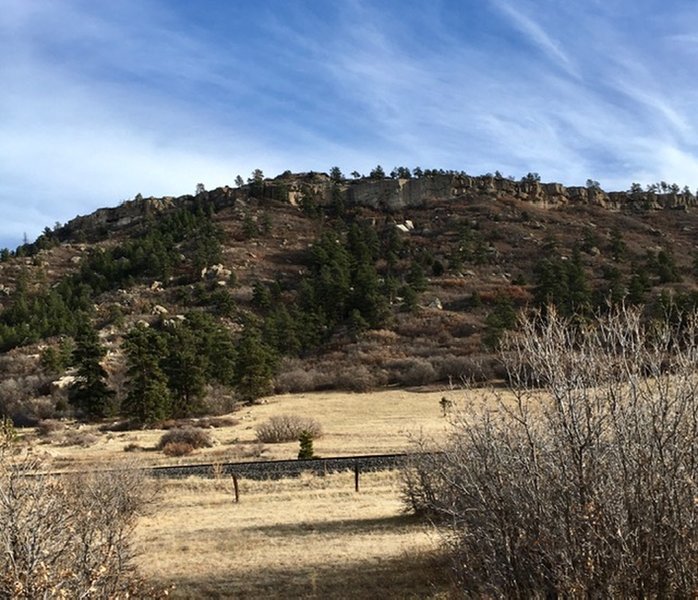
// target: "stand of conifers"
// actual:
[[580, 479]]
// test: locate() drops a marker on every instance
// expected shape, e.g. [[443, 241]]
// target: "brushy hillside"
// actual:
[[172, 307]]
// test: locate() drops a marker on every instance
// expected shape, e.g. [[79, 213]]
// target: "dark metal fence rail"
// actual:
[[276, 469]]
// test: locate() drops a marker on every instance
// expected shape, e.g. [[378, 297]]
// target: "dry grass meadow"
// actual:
[[353, 423], [306, 537]]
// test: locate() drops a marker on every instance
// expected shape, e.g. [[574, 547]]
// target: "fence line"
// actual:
[[276, 469]]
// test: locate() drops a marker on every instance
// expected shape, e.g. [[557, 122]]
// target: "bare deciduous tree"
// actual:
[[582, 480], [66, 536]]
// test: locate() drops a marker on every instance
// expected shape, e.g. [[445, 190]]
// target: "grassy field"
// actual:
[[376, 422], [309, 537]]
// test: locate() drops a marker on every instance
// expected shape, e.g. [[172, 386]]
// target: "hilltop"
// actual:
[[342, 283]]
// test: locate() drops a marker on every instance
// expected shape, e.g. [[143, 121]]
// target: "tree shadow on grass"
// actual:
[[422, 575], [336, 526]]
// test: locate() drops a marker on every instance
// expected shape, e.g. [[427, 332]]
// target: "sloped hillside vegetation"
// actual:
[[308, 282]]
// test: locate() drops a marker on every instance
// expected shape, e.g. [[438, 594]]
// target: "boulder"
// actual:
[[217, 272], [436, 304]]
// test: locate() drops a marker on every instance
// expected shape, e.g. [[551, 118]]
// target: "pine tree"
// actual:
[[357, 324], [578, 294], [331, 284], [336, 174], [416, 278], [617, 244], [502, 318], [254, 367], [409, 298], [249, 227], [613, 291], [148, 398], [90, 393], [638, 287], [306, 451], [666, 267], [280, 331], [377, 173], [185, 366]]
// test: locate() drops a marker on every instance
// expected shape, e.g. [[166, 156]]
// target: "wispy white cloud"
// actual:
[[470, 109], [73, 139], [535, 33], [102, 101]]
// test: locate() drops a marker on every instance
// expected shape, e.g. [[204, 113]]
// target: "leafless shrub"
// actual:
[[302, 380], [422, 479], [24, 400], [196, 438], [218, 401], [411, 371], [217, 470], [49, 426], [78, 438], [119, 426], [18, 364], [287, 428], [215, 422], [67, 536], [133, 447], [356, 379], [177, 449], [582, 480], [458, 368], [252, 450]]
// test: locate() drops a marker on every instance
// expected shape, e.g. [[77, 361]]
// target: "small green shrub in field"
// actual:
[[287, 428], [306, 451], [194, 437]]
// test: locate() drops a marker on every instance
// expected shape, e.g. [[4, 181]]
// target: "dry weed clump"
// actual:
[[356, 379], [47, 427], [184, 436], [582, 481], [471, 368], [177, 449], [334, 374], [201, 423], [411, 371], [287, 428], [25, 399], [302, 380], [78, 438], [215, 422]]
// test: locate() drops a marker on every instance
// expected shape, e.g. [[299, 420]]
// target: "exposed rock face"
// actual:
[[396, 194], [159, 310], [389, 195], [216, 272]]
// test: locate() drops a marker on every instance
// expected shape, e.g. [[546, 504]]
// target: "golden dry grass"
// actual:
[[309, 537], [353, 423]]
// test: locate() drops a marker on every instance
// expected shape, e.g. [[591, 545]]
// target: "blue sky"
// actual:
[[104, 99]]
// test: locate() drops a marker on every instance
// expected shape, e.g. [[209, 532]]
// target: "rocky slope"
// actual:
[[481, 242], [391, 195]]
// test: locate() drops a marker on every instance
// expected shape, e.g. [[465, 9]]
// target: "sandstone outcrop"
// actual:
[[386, 194]]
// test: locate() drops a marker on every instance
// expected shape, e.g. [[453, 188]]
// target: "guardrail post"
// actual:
[[356, 476], [236, 489]]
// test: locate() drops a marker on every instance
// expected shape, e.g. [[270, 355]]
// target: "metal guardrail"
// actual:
[[276, 469]]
